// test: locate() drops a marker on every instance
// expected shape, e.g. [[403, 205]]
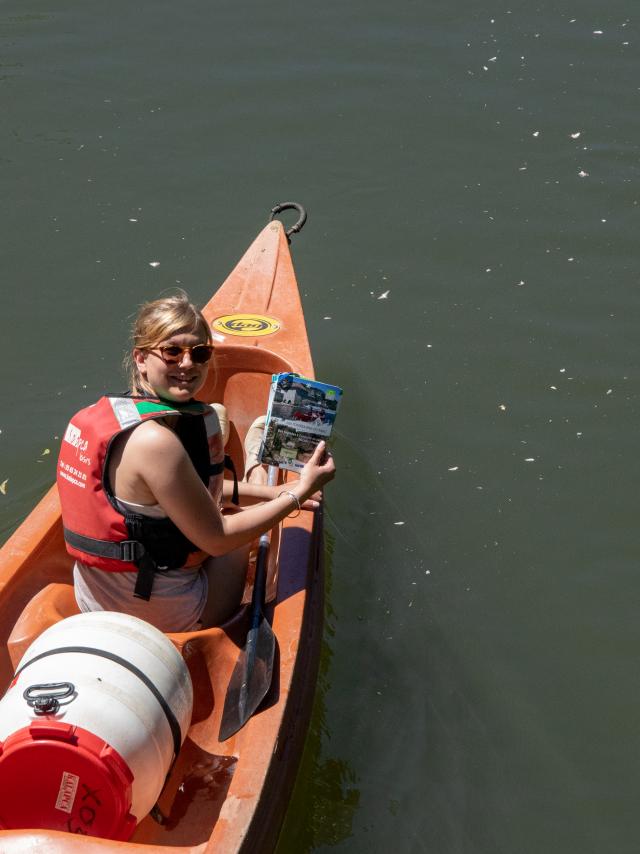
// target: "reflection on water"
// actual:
[[325, 797]]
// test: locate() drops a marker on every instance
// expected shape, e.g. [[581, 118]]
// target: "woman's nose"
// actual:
[[186, 361]]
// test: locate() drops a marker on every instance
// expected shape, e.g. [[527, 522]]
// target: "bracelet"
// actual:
[[295, 498]]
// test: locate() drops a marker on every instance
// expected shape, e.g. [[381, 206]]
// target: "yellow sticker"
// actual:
[[246, 325]]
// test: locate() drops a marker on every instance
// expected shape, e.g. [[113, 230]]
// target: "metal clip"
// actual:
[[45, 699]]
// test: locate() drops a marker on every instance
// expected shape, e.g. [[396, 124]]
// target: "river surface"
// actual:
[[469, 273]]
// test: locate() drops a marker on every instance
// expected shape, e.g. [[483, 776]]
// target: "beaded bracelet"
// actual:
[[295, 498]]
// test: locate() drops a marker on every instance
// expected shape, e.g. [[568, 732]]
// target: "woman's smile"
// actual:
[[183, 379]]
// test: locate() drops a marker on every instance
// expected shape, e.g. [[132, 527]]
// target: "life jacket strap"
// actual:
[[129, 551], [227, 463], [144, 578]]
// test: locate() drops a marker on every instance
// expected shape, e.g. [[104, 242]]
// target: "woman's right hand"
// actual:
[[318, 471]]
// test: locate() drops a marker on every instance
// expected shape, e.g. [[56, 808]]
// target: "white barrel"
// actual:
[[131, 688]]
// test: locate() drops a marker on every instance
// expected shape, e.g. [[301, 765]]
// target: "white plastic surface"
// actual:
[[110, 701]]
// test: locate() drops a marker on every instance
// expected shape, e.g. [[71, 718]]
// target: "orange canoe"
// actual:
[[231, 796]]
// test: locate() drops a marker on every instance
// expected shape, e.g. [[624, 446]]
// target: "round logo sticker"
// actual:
[[246, 325]]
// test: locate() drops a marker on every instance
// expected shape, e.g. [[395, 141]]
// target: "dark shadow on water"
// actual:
[[325, 798]]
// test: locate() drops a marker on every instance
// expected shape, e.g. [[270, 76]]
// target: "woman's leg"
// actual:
[[226, 576], [254, 472]]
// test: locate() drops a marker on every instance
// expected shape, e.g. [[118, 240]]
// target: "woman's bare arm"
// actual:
[[252, 493], [158, 458]]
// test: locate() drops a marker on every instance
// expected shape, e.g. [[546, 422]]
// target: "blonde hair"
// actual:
[[158, 320]]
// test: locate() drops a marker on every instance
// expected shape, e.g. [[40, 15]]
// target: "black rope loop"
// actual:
[[285, 206]]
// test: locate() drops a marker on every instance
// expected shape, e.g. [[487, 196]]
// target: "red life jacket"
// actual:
[[95, 530]]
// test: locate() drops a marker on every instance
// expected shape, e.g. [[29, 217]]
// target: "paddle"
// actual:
[[251, 675]]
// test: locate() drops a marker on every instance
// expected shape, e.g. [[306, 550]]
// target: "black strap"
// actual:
[[144, 578], [192, 433], [228, 464], [130, 551], [174, 726]]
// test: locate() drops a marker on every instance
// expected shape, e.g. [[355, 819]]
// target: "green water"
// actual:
[[469, 278]]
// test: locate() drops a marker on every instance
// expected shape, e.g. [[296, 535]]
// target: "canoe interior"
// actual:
[[213, 799]]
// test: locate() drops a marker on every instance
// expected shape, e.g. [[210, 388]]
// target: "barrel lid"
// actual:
[[57, 776]]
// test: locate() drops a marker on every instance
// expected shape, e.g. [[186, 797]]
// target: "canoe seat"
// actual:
[[56, 602], [53, 603]]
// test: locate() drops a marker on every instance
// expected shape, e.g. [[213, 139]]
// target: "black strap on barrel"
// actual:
[[174, 726]]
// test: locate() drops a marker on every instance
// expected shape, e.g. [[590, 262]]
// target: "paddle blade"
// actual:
[[250, 680]]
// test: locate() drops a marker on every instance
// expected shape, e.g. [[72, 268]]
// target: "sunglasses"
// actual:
[[172, 354]]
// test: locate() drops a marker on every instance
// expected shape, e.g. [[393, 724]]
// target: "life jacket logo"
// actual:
[[246, 325], [73, 435]]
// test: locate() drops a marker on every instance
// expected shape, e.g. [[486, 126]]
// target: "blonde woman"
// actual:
[[141, 485]]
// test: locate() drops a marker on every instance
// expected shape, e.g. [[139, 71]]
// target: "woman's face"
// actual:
[[178, 380]]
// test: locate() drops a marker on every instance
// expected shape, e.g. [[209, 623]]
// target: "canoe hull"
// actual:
[[230, 796]]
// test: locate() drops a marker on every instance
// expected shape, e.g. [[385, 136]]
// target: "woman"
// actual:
[[141, 486]]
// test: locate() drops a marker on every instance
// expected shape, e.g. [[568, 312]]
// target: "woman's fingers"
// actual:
[[313, 501], [320, 468], [317, 457], [310, 504]]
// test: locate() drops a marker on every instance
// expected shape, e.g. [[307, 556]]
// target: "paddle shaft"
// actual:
[[258, 597], [260, 581]]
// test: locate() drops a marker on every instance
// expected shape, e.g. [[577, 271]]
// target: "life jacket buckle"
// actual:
[[131, 550]]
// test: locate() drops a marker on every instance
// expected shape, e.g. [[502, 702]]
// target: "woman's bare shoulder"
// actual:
[[154, 437]]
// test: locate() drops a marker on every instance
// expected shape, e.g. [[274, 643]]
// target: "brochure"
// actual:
[[300, 413]]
